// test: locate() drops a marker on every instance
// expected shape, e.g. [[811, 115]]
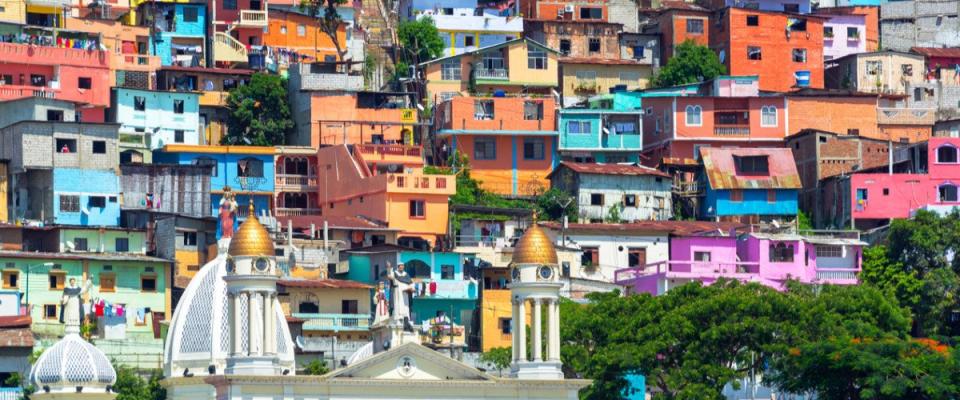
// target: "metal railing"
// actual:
[[837, 274], [390, 149], [11, 393], [731, 130], [295, 212], [289, 181], [705, 268], [496, 241], [829, 233], [497, 73], [334, 322]]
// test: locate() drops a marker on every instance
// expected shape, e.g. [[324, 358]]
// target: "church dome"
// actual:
[[252, 239], [199, 334], [70, 363], [535, 247]]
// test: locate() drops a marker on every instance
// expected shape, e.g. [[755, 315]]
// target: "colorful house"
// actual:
[[385, 186], [247, 170], [755, 184], [881, 117], [296, 182], [787, 6], [843, 35], [615, 191], [887, 72], [181, 32], [72, 74], [190, 242], [214, 85], [329, 318], [609, 130], [292, 35], [569, 10], [469, 25], [156, 118], [678, 22], [871, 21], [771, 259], [132, 65], [511, 142], [237, 26]]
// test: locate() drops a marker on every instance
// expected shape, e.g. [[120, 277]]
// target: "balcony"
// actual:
[[136, 62], [295, 212], [334, 322], [420, 183], [687, 188], [494, 73], [731, 130], [340, 348], [906, 116], [621, 141], [213, 98], [252, 19], [12, 92], [227, 49], [390, 153], [838, 276], [51, 3], [15, 53], [295, 183]]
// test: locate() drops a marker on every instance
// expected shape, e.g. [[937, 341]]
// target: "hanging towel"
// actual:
[[120, 310], [98, 308], [141, 313], [433, 288], [107, 310]]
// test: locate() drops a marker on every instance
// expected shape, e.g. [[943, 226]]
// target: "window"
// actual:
[[349, 307], [450, 70], [84, 82], [825, 250], [6, 79], [948, 193], [589, 256], [178, 106], [753, 53], [947, 154], [532, 110], [853, 132], [565, 46], [66, 145], [54, 115], [536, 58], [791, 7], [623, 128], [139, 103], [97, 202], [701, 256], [483, 110], [906, 69], [636, 257], [693, 117], [148, 283], [50, 311], [250, 167], [799, 55], [578, 127], [593, 45], [768, 116], [533, 149], [206, 161], [188, 238], [781, 252], [505, 326], [828, 32], [586, 75], [695, 26], [80, 244], [178, 136], [283, 30], [596, 199], [629, 200], [771, 196], [301, 30], [446, 272], [591, 13], [736, 195], [417, 209], [853, 32], [38, 80], [121, 245], [886, 191], [11, 279], [56, 280], [99, 147], [753, 20], [190, 14], [484, 148], [629, 77], [69, 203], [751, 165], [874, 68], [108, 282]]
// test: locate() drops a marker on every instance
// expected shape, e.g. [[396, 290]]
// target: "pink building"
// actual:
[[884, 196], [769, 259], [77, 75]]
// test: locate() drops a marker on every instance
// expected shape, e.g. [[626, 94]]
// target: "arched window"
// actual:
[[694, 117], [768, 116], [947, 154], [207, 161], [781, 252], [294, 200], [417, 269], [295, 166], [948, 193], [250, 167]]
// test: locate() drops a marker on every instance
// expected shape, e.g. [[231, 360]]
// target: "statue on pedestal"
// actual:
[[382, 301], [227, 214], [71, 306], [401, 292]]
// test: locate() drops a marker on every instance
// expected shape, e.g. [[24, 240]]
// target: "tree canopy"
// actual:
[[420, 39], [259, 112], [690, 63]]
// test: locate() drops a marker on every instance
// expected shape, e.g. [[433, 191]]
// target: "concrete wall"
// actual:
[[34, 109], [906, 24], [32, 145]]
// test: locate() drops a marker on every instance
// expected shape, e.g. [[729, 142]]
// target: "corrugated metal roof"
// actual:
[[721, 170], [937, 52], [611, 169]]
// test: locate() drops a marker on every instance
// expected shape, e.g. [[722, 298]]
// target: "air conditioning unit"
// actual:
[[568, 8]]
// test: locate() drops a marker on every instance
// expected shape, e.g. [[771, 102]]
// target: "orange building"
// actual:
[[361, 182], [511, 142], [778, 47], [680, 21], [294, 31], [569, 10], [860, 114]]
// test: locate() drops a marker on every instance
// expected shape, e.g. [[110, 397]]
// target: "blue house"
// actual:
[[181, 31], [86, 197], [608, 131], [247, 170], [157, 118], [758, 183]]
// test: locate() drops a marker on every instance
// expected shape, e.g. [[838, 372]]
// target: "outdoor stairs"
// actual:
[[379, 24]]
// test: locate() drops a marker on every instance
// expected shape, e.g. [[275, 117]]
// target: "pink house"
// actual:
[[769, 259], [884, 196]]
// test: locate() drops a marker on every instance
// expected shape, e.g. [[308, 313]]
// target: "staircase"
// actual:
[[379, 27], [227, 49]]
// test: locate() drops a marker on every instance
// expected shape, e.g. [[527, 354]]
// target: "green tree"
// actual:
[[259, 112], [314, 367], [690, 63], [421, 41], [131, 386], [330, 23], [890, 277], [555, 203], [498, 357], [803, 221]]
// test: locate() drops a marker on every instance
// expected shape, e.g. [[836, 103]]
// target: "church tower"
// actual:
[[535, 286], [251, 297]]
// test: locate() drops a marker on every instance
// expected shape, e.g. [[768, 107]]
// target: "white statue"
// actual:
[[71, 309], [401, 292]]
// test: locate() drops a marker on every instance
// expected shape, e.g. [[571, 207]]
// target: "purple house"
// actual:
[[769, 259], [844, 35]]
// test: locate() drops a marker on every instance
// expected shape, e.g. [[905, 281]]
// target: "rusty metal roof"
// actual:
[[720, 167], [611, 169], [937, 52]]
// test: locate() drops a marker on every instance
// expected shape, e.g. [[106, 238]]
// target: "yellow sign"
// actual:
[[408, 115]]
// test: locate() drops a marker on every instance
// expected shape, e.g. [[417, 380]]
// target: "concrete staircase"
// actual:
[[379, 25]]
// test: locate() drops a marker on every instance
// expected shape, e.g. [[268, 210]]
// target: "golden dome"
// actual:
[[252, 239], [535, 247]]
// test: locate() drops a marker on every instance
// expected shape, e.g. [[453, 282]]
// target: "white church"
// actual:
[[228, 340]]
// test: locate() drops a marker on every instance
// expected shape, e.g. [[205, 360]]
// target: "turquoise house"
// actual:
[[761, 183], [609, 130], [181, 31], [86, 197]]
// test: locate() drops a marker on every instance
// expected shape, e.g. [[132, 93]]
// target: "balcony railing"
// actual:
[[834, 275], [252, 18], [11, 393], [705, 269], [731, 130], [11, 92], [341, 348], [228, 49], [295, 182], [382, 150], [334, 322], [48, 55], [295, 212], [906, 116], [687, 188], [497, 73], [420, 182]]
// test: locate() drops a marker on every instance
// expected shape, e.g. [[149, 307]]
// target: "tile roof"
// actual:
[[334, 222], [937, 51], [681, 5], [323, 284], [82, 256], [720, 167], [680, 228], [15, 331], [611, 169]]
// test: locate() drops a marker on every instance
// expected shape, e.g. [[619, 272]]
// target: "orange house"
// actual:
[[411, 201], [511, 142], [300, 33], [778, 47], [860, 114], [679, 22], [569, 10]]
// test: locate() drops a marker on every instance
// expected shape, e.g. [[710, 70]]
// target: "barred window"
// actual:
[[450, 70], [69, 203], [829, 251]]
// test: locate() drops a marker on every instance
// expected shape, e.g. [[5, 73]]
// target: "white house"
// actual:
[[633, 192]]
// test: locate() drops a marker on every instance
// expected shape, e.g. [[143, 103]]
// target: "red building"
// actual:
[[243, 21], [678, 22], [781, 48], [570, 10]]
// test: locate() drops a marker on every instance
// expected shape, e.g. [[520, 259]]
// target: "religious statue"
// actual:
[[402, 290], [381, 299], [71, 308], [227, 214]]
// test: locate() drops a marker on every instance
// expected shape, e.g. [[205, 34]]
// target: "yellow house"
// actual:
[[14, 11], [512, 67], [582, 78]]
